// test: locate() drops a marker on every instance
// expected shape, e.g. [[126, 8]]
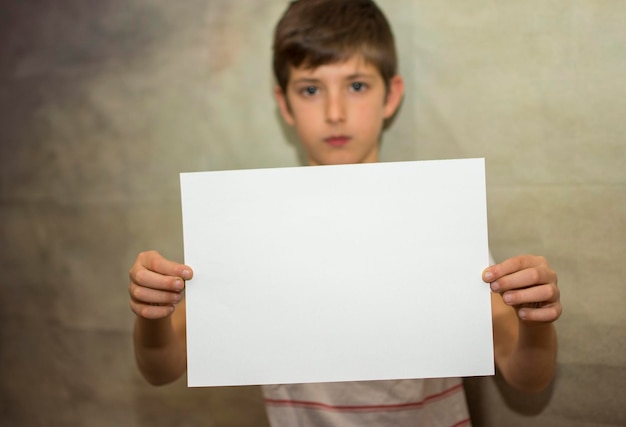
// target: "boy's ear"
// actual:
[[283, 105], [394, 96]]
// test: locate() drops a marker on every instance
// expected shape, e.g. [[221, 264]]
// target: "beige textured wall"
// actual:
[[104, 103]]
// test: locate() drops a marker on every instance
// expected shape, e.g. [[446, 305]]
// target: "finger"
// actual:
[[151, 311], [524, 278], [142, 294], [154, 261], [150, 279], [512, 265], [543, 294], [548, 313]]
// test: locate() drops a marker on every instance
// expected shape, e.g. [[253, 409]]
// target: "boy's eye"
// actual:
[[309, 90], [358, 86]]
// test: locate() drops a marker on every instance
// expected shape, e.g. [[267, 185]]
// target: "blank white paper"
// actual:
[[337, 273]]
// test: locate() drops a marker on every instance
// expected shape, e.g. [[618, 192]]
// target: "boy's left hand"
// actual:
[[528, 284]]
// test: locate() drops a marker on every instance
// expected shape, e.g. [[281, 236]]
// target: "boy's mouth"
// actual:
[[337, 140]]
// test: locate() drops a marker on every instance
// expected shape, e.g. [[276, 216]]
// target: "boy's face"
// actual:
[[338, 110]]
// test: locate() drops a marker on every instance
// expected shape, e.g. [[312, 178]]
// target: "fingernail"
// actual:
[[488, 276], [495, 286], [186, 274], [507, 298], [178, 285]]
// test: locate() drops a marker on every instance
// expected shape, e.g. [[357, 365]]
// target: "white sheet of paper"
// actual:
[[337, 273]]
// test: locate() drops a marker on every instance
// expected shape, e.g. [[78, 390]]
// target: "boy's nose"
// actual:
[[335, 109]]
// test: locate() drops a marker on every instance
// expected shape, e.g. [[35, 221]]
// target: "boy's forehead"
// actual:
[[354, 65]]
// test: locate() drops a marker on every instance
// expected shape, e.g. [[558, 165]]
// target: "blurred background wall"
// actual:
[[103, 103]]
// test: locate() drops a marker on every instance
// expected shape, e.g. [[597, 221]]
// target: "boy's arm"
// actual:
[[160, 347], [525, 302], [155, 289]]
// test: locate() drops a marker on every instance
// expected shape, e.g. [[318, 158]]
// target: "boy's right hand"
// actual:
[[156, 285]]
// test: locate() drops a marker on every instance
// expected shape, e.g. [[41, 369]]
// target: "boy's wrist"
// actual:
[[153, 332], [536, 333]]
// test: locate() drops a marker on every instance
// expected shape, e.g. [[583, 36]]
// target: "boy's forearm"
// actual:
[[532, 362], [159, 350]]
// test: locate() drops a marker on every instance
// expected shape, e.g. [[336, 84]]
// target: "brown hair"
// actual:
[[319, 32]]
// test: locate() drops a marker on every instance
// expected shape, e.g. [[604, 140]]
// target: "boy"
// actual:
[[335, 65]]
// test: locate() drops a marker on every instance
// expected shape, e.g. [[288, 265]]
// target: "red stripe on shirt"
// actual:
[[365, 408]]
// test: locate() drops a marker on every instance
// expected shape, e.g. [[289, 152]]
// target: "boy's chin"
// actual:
[[341, 159], [333, 162]]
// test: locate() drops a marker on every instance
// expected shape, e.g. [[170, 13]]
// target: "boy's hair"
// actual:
[[312, 33]]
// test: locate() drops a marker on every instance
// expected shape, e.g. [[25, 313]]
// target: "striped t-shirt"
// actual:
[[436, 402]]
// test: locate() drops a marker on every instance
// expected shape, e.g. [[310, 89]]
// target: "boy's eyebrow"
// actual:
[[306, 80], [360, 76], [349, 77]]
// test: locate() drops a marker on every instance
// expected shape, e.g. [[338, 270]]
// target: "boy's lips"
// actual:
[[337, 140]]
